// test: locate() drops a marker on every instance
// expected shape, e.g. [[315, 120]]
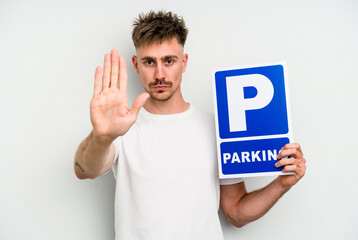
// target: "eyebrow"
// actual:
[[147, 58], [169, 57], [162, 58]]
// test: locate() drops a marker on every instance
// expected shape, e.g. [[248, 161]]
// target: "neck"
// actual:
[[175, 104]]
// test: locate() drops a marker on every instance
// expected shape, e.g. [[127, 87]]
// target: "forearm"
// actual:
[[93, 157], [241, 207], [254, 205]]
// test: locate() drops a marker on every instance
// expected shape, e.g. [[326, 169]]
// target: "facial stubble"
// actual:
[[169, 85]]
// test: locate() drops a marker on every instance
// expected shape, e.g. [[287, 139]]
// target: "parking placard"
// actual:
[[252, 115]]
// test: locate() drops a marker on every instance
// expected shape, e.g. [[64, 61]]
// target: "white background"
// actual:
[[48, 54]]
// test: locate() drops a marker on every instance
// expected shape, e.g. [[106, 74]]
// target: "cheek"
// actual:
[[145, 77], [178, 73], [143, 72]]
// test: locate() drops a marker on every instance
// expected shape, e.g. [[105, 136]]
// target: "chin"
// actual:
[[160, 97]]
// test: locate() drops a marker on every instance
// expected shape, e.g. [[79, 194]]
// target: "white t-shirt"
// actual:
[[167, 184]]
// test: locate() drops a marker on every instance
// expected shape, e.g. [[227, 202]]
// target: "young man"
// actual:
[[163, 155]]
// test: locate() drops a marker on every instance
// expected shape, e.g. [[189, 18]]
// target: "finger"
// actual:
[[97, 81], [284, 162], [297, 169], [290, 168], [106, 71], [293, 145], [123, 74], [114, 68], [289, 152], [138, 103]]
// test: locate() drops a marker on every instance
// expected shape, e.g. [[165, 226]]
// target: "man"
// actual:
[[163, 155]]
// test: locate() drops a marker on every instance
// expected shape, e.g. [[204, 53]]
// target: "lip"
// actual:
[[160, 87]]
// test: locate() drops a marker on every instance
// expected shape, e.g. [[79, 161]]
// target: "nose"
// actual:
[[159, 72]]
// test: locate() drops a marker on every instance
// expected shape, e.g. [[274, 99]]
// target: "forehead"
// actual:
[[158, 50]]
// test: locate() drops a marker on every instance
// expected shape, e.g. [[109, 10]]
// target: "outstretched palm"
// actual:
[[110, 115]]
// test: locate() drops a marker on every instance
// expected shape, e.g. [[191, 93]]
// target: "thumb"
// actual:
[[138, 103]]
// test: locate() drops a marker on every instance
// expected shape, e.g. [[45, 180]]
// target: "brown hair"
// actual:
[[158, 27]]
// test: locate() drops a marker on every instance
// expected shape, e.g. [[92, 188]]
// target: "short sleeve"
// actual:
[[115, 162], [230, 181], [116, 144]]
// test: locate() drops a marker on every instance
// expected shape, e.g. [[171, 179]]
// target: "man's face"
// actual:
[[160, 67]]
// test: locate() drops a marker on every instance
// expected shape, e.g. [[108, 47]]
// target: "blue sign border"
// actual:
[[270, 120]]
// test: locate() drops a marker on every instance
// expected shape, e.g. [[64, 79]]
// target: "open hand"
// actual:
[[110, 115]]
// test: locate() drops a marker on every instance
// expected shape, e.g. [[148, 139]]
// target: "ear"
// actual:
[[185, 61], [135, 63]]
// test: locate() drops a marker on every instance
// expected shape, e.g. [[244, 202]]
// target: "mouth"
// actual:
[[160, 87]]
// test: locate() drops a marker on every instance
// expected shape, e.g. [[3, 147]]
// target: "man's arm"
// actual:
[[240, 207], [94, 157], [110, 117]]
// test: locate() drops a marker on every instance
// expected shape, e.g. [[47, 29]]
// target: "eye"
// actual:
[[169, 61], [149, 62]]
